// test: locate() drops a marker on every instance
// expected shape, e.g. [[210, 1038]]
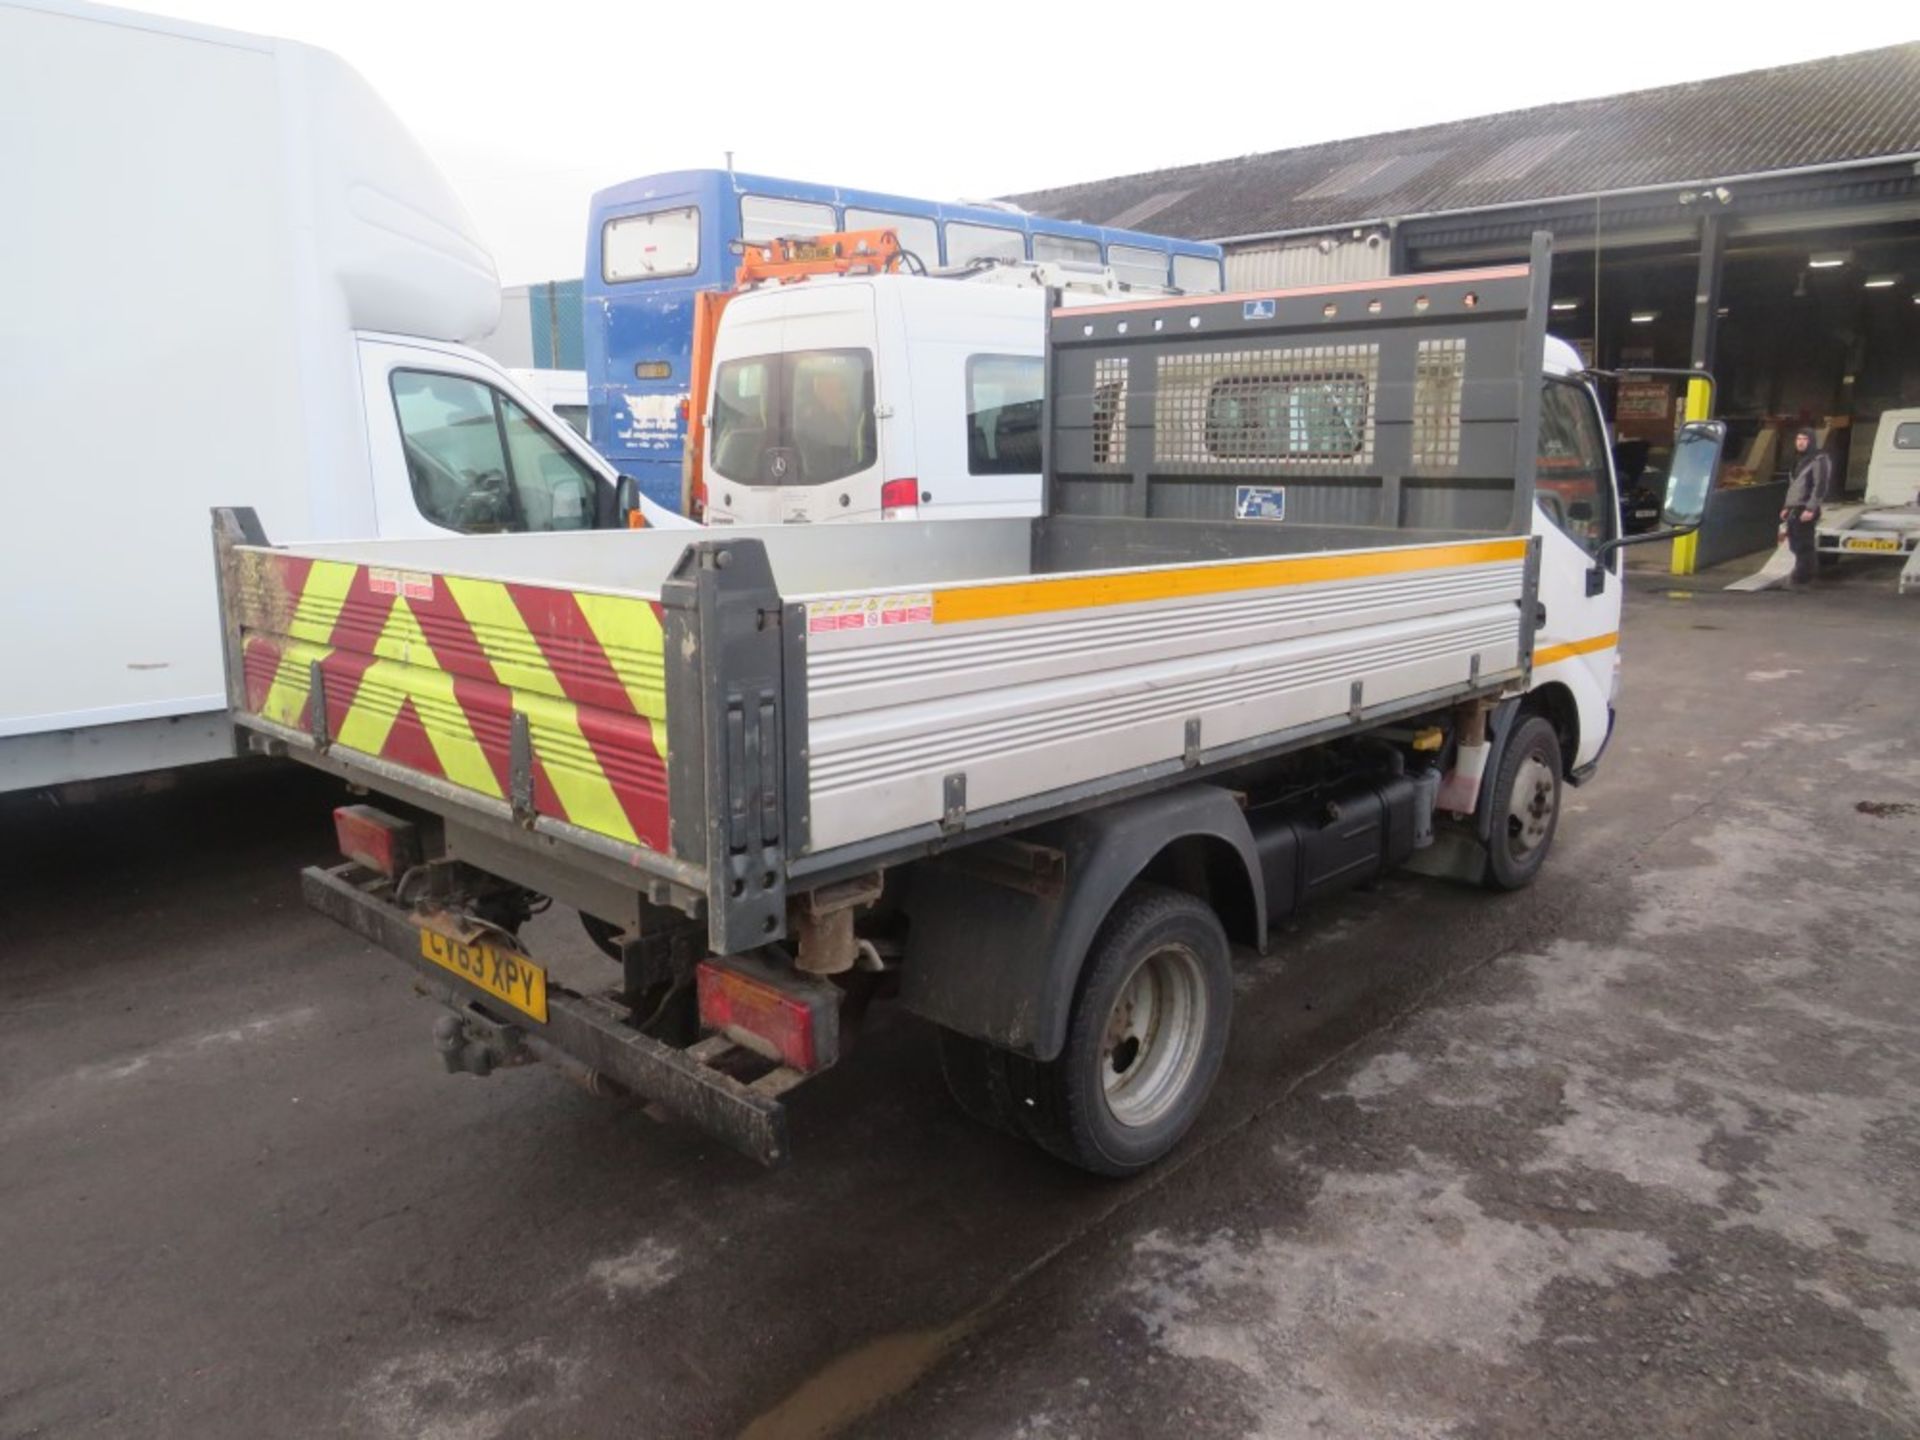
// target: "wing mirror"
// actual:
[[626, 504], [1696, 460]]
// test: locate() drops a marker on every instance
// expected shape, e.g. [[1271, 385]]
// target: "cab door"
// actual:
[[455, 445], [1576, 512]]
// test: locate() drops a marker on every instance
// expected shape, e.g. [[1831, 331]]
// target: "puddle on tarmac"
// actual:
[[854, 1383]]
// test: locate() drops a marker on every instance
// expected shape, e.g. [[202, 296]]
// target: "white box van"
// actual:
[[232, 272]]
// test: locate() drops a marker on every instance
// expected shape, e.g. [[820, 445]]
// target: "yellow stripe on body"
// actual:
[[292, 678], [318, 609], [629, 634], [1575, 647], [315, 611], [407, 673], [1033, 597], [553, 725]]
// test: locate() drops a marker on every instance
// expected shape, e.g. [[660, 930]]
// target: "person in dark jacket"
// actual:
[[1807, 486]]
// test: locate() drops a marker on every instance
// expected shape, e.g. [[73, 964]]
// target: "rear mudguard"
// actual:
[[997, 937]]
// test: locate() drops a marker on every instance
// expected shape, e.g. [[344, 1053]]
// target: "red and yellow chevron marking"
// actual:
[[428, 671]]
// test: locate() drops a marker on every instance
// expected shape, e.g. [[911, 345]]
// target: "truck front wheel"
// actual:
[[1145, 1038], [1525, 805]]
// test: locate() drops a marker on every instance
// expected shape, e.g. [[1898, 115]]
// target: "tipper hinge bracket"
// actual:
[[735, 729], [520, 767], [953, 802], [317, 706]]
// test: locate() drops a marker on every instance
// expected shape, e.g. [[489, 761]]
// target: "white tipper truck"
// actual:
[[231, 274], [1292, 616]]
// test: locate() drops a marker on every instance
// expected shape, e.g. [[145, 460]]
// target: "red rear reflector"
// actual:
[[897, 496], [784, 1018], [376, 839]]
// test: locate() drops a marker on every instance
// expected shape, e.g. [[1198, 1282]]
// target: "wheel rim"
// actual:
[[1530, 807], [1155, 1032]]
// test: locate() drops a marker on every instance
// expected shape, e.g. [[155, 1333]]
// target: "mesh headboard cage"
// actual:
[[1373, 412]]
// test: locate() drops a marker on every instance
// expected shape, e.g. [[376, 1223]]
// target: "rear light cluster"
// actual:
[[900, 499], [775, 1014], [376, 839]]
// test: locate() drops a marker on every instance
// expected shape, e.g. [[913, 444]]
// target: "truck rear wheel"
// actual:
[[977, 1078], [1145, 1038], [1524, 809]]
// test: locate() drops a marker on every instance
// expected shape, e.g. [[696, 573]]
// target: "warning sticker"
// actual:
[[413, 584], [1260, 502], [869, 612]]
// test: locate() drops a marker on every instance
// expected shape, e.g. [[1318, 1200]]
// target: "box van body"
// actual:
[[246, 278]]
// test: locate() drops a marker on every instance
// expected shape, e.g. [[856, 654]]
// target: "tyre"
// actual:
[[1524, 808], [977, 1079], [1145, 1038]]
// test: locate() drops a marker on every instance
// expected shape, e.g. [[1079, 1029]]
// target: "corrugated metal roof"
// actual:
[[1819, 112]]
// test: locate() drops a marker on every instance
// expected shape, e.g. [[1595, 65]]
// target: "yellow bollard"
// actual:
[[1699, 405]]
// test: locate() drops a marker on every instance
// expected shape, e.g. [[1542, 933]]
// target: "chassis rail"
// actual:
[[748, 1117]]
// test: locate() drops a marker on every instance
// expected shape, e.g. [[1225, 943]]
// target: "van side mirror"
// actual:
[[1696, 460], [626, 502]]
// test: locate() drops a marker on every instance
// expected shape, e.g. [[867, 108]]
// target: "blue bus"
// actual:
[[653, 243]]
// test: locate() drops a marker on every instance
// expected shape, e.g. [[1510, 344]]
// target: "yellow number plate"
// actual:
[[501, 973], [1868, 542]]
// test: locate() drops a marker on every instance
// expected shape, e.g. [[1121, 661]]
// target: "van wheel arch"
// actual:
[[1554, 703], [1002, 963]]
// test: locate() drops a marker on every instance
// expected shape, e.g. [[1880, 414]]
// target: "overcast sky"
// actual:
[[531, 107]]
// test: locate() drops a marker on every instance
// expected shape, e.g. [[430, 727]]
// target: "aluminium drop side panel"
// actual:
[[1011, 691], [649, 731], [538, 703]]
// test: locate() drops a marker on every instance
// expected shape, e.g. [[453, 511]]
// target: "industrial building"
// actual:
[[1765, 226], [539, 327]]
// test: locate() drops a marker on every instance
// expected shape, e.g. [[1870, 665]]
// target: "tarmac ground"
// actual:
[[1634, 1152]]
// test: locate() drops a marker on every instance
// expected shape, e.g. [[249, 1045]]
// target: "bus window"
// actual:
[[976, 242], [917, 233], [650, 247], [1138, 266], [764, 218], [1066, 247], [1003, 414], [1197, 275]]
